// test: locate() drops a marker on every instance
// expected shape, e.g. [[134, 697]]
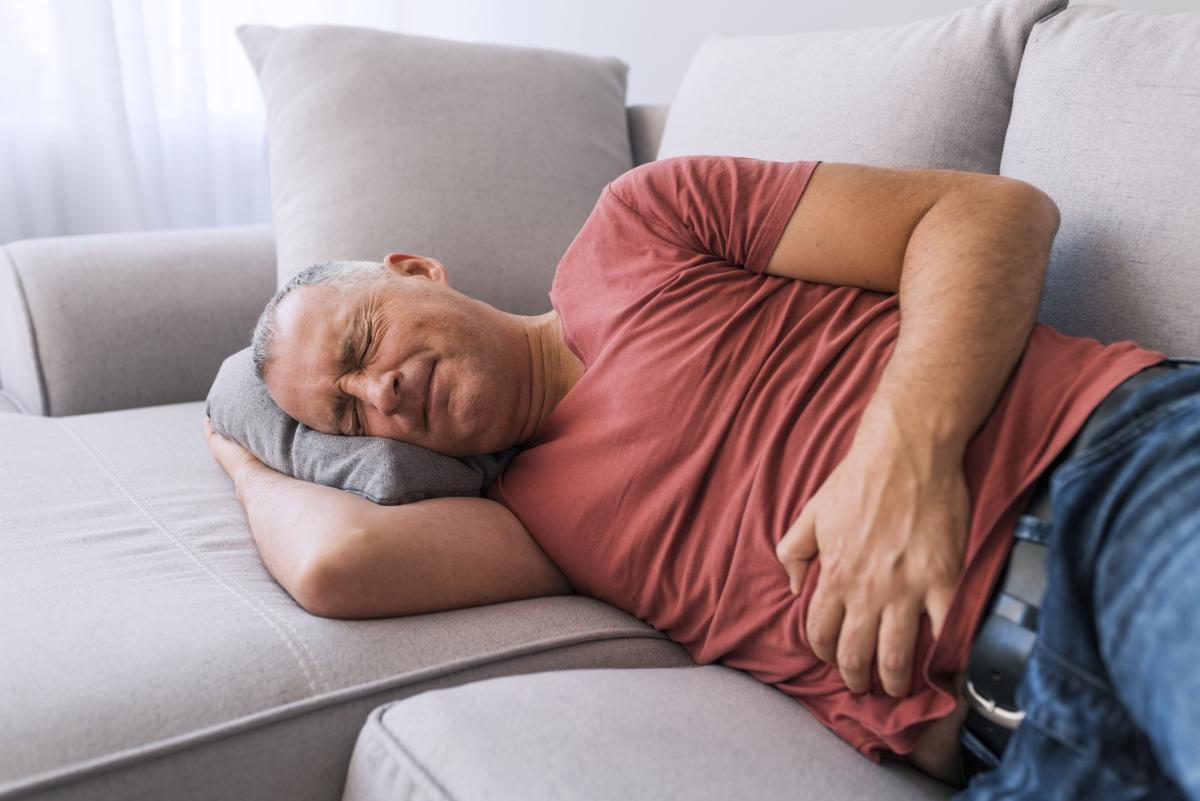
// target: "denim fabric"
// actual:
[[1112, 691]]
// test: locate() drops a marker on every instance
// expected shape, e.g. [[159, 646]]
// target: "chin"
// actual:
[[473, 444]]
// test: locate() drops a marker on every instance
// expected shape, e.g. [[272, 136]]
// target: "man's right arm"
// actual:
[[341, 556]]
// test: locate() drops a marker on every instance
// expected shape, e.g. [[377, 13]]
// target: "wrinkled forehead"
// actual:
[[314, 325], [312, 321]]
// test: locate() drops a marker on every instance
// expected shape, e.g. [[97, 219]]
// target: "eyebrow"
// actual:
[[348, 357]]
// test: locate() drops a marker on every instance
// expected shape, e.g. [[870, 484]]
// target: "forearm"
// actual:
[[339, 555], [969, 292], [292, 521]]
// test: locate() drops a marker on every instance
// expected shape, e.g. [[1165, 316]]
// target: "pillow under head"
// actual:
[[384, 471]]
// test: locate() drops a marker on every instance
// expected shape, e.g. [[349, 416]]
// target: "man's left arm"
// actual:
[[967, 253]]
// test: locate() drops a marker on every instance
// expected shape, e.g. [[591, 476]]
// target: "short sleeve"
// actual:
[[731, 207]]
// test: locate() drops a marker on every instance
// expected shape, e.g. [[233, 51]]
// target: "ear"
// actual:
[[408, 265]]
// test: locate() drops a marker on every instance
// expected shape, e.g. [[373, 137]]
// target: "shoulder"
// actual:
[[666, 175]]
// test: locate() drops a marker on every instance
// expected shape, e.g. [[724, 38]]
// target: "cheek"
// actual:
[[473, 400], [484, 397]]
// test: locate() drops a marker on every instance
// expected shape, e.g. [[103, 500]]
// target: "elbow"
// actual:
[[1036, 206], [1044, 209], [321, 584], [315, 588]]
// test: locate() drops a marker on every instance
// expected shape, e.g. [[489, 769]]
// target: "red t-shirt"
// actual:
[[716, 400]]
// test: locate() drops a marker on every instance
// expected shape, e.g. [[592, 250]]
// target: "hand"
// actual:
[[232, 457], [890, 526]]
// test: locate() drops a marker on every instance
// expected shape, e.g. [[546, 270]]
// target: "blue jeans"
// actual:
[[1112, 690]]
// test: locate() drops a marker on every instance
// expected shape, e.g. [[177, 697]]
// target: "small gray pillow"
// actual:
[[384, 471]]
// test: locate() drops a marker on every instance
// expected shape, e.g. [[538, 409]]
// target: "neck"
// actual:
[[553, 369]]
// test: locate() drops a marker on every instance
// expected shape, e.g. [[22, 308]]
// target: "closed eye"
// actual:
[[356, 424]]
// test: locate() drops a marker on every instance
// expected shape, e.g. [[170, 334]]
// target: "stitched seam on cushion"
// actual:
[[290, 638], [385, 737], [15, 401], [1047, 16], [161, 749], [43, 391], [1012, 91]]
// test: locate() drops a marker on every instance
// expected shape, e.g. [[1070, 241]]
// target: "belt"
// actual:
[[1006, 637]]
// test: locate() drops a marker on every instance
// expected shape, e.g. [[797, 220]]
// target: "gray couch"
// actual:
[[145, 652]]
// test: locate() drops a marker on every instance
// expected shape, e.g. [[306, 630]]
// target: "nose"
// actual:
[[381, 390]]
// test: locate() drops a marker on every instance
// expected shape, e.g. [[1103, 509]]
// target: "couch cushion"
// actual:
[[645, 131], [933, 93], [8, 403], [702, 733], [486, 157], [145, 652], [1106, 119]]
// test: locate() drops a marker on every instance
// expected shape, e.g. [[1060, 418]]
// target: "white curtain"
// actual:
[[120, 115]]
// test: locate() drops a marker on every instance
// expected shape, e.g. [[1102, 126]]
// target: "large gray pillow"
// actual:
[[384, 471], [933, 93], [488, 158]]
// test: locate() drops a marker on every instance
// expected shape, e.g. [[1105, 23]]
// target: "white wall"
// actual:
[[173, 123], [657, 38]]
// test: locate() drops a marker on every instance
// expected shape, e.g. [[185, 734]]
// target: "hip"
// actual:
[[1006, 638]]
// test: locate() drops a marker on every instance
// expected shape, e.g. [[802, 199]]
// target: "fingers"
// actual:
[[898, 630], [230, 455], [937, 603], [856, 650], [825, 614], [797, 549]]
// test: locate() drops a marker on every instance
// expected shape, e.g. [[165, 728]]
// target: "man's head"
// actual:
[[390, 350]]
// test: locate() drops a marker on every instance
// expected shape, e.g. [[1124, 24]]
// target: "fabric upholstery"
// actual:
[[20, 364], [208, 311], [933, 93], [9, 403], [112, 321], [645, 131], [1106, 120], [702, 733], [147, 653], [486, 157], [384, 471]]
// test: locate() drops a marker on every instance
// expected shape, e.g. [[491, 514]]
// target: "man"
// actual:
[[728, 432]]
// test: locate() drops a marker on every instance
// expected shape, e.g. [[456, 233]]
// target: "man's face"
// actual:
[[404, 357]]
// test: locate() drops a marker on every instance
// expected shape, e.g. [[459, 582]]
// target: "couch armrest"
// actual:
[[114, 321]]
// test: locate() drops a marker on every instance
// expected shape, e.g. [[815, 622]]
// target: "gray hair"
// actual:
[[343, 275]]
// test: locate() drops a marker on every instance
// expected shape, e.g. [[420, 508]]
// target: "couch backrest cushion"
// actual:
[[1106, 119], [646, 130], [933, 93], [486, 157]]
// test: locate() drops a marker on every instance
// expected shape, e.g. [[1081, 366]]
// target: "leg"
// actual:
[[1147, 597], [1085, 735]]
